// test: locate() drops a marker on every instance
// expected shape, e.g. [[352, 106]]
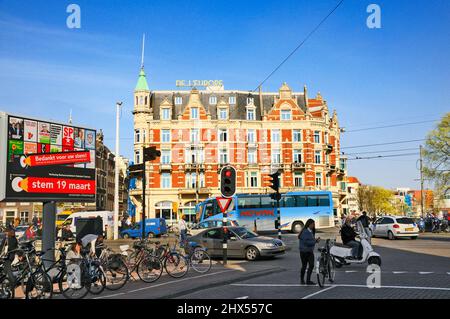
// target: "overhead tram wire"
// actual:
[[388, 126], [382, 144], [383, 151], [382, 156], [300, 45]]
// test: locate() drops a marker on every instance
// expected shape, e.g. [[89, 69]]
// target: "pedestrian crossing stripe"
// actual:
[[425, 272]]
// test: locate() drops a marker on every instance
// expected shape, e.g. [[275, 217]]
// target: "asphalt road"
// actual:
[[410, 269]]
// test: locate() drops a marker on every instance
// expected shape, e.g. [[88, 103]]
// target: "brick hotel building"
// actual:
[[199, 131]]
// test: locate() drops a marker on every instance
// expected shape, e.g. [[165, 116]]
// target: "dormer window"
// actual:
[[250, 100], [178, 100], [194, 113], [212, 100], [251, 114], [232, 100], [286, 115], [223, 114], [165, 114]]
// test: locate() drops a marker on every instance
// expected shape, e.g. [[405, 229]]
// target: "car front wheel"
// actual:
[[251, 253]]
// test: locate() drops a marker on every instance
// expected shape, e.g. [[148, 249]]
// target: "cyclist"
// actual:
[[182, 227], [13, 244]]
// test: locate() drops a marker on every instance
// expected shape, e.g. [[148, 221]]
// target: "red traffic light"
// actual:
[[228, 173]]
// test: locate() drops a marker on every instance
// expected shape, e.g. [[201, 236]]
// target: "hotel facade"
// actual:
[[200, 131]]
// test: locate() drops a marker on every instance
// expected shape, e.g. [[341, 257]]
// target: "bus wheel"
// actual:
[[126, 236], [297, 227]]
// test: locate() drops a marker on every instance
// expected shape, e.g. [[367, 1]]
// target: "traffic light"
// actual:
[[228, 181], [151, 153], [135, 170], [275, 181]]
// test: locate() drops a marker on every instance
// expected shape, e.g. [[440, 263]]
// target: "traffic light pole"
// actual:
[[144, 177], [278, 215], [225, 235]]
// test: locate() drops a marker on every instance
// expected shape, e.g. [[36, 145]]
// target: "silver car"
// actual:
[[242, 243], [206, 224]]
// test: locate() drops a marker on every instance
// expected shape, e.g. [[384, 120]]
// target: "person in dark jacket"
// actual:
[[348, 236], [307, 242], [13, 244], [365, 221]]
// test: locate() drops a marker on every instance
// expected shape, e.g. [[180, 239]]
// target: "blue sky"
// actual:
[[372, 77]]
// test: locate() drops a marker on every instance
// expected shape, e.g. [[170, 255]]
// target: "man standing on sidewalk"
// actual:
[[365, 223]]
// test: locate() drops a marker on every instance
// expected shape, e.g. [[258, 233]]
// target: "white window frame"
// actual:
[[194, 138], [283, 113], [196, 117], [295, 158], [213, 100], [298, 176], [272, 135], [276, 159], [318, 178], [251, 132], [137, 156], [254, 154], [165, 154], [162, 135], [316, 141], [178, 100], [251, 111], [163, 110], [219, 134], [232, 99], [296, 132], [223, 109], [137, 135], [223, 152], [252, 176], [317, 155], [166, 177]]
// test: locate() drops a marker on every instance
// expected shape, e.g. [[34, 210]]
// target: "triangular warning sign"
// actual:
[[223, 203]]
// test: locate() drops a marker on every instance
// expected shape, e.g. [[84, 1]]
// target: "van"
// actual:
[[107, 218], [153, 227], [61, 217]]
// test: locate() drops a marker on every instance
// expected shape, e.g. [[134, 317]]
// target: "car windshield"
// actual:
[[244, 233], [405, 220]]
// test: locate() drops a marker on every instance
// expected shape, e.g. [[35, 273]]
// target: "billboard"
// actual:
[[45, 161]]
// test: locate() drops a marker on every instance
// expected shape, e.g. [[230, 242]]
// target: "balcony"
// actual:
[[330, 167], [204, 190], [194, 167], [252, 165], [298, 166], [252, 144], [166, 167]]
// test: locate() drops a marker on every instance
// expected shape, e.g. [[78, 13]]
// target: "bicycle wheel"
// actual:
[[321, 272], [149, 269], [71, 283], [116, 272], [200, 261], [176, 265], [6, 289], [98, 280], [331, 269], [39, 286]]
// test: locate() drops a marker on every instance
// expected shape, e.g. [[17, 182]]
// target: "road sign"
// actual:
[[223, 203]]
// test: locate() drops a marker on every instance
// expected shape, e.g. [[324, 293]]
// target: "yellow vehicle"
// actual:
[[61, 217]]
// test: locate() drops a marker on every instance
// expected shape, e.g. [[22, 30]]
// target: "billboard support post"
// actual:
[[144, 178], [48, 231], [116, 174]]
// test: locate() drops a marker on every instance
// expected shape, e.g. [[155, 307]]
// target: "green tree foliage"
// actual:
[[437, 156], [376, 200]]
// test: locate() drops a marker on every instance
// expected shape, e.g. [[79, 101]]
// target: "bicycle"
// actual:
[[114, 267], [142, 260], [29, 275], [174, 263], [325, 266], [198, 258], [82, 275]]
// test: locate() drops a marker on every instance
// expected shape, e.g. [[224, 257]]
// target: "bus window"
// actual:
[[289, 201], [249, 202], [312, 201], [267, 202], [324, 200], [209, 209], [301, 200]]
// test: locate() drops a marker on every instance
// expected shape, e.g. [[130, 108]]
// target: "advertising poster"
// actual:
[[43, 163], [30, 131], [44, 133], [30, 148], [68, 134], [55, 134], [79, 137], [55, 148], [43, 148], [15, 149], [15, 128], [90, 140]]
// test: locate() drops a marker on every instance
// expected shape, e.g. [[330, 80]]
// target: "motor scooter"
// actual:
[[342, 254]]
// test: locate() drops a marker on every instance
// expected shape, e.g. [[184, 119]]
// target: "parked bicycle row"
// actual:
[[78, 268]]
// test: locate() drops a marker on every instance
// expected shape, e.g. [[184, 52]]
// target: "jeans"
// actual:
[[356, 248], [307, 259]]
